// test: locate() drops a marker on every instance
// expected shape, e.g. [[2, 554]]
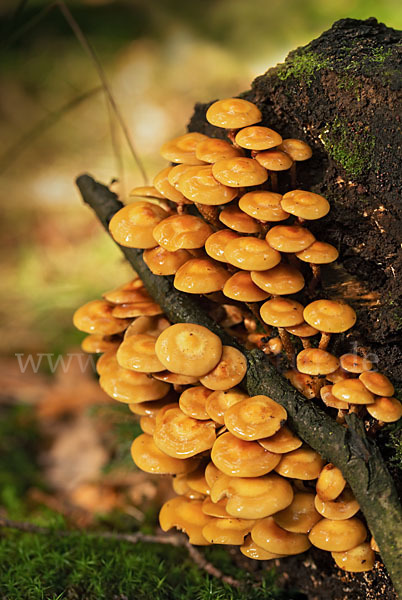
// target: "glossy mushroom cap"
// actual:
[[199, 185], [319, 253], [233, 113], [330, 316], [212, 474], [149, 408], [314, 361], [377, 383], [252, 254], [96, 317], [329, 399], [219, 401], [96, 343], [175, 173], [181, 231], [212, 149], [137, 309], [255, 418], [146, 191], [279, 281], [251, 550], [241, 287], [305, 205], [196, 481], [352, 391], [282, 312], [303, 330], [353, 363], [307, 385], [132, 291], [330, 483], [289, 238], [385, 409], [189, 349], [193, 400], [229, 371], [180, 436], [132, 225], [215, 509], [128, 386], [270, 536], [358, 559], [281, 442], [344, 506], [263, 205], [137, 352], [150, 459], [217, 242], [297, 149], [227, 531], [236, 219], [274, 160], [162, 262], [163, 185], [338, 536], [200, 276], [303, 463], [175, 378], [186, 515], [238, 458], [182, 149], [258, 138], [300, 516], [239, 172]]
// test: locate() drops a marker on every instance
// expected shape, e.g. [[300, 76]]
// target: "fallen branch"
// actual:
[[348, 448]]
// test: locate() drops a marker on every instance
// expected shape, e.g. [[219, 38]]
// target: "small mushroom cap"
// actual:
[[377, 383], [385, 409], [236, 219], [129, 386], [200, 276], [315, 361], [196, 481], [338, 375], [188, 349], [337, 536], [305, 205], [137, 309], [233, 113], [162, 262], [217, 242], [281, 442], [137, 352], [147, 424], [330, 483], [279, 281], [215, 509], [329, 399], [175, 378], [133, 291], [149, 408], [330, 316], [199, 185], [353, 363], [132, 225], [297, 149], [180, 436], [150, 325], [319, 253], [274, 160], [253, 497], [344, 506], [147, 191], [307, 385], [236, 457], [241, 287], [374, 545], [282, 312], [239, 172], [175, 173], [212, 149], [227, 531], [358, 559], [212, 474], [193, 400], [182, 149], [219, 401], [255, 418], [96, 317], [303, 463], [352, 391], [181, 231], [258, 138], [300, 516], [150, 459], [263, 205], [251, 550], [251, 254], [229, 371], [303, 330], [275, 345], [270, 536], [107, 363], [289, 238], [96, 343], [186, 515]]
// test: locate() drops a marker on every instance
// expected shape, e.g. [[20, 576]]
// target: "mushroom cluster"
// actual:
[[215, 221]]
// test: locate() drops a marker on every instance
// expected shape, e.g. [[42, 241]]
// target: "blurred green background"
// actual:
[[160, 56]]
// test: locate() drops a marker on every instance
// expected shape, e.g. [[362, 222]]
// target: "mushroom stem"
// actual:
[[305, 342], [232, 137], [324, 341], [316, 270], [254, 309], [288, 346], [293, 178], [340, 417], [210, 214], [274, 181], [264, 225]]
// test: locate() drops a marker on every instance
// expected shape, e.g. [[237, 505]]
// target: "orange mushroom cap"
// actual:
[[132, 291], [303, 330], [181, 231], [96, 317], [233, 113], [263, 205], [281, 442], [307, 385], [150, 459], [319, 253], [227, 531], [282, 312], [255, 418], [300, 516], [132, 225], [215, 509], [219, 401], [175, 378], [181, 436], [252, 550], [193, 400], [338, 536], [96, 343], [279, 281], [239, 172], [353, 363], [251, 254], [236, 219], [330, 483], [385, 409], [236, 457], [186, 515], [147, 191], [274, 160], [182, 149], [289, 238], [200, 276], [199, 185], [241, 287], [229, 371], [137, 352], [137, 309], [377, 383], [344, 506], [314, 361], [352, 391], [297, 149], [329, 399], [149, 408], [358, 559], [305, 205], [303, 463], [129, 386], [330, 316], [258, 138], [162, 262], [212, 149], [268, 535], [217, 242]]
